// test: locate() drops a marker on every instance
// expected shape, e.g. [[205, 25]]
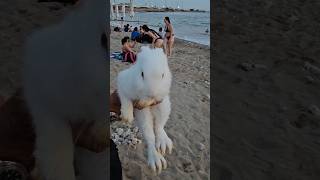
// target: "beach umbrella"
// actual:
[[124, 10], [117, 11]]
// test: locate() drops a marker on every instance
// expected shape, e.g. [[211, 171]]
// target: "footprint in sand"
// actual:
[[186, 165]]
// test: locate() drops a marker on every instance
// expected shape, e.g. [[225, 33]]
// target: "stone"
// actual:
[[312, 68], [245, 66], [314, 110], [201, 146]]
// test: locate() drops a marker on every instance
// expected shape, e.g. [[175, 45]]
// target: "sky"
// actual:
[[185, 4]]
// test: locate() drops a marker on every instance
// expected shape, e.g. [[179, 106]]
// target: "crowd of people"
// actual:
[[158, 39]]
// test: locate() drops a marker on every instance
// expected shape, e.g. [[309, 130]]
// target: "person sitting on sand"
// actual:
[[135, 34], [127, 49], [126, 28], [169, 36], [117, 29], [151, 36]]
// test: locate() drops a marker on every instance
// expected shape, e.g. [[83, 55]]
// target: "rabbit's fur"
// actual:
[[148, 80], [65, 78]]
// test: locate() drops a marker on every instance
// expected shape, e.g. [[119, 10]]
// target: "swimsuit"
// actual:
[[129, 57], [167, 30], [156, 34], [145, 38]]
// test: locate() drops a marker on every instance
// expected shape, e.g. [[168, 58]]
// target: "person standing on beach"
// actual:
[[169, 36], [121, 23]]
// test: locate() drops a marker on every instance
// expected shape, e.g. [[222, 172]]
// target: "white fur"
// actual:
[[65, 81], [151, 120]]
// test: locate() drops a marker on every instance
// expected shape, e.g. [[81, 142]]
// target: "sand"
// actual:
[[19, 18], [266, 124], [189, 123]]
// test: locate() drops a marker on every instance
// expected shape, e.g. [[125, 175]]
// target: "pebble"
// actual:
[[123, 134], [114, 117], [187, 167], [245, 66], [249, 66], [201, 146], [312, 68], [313, 109], [135, 129], [309, 79]]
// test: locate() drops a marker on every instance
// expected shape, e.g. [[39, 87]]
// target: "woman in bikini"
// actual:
[[169, 36], [151, 36]]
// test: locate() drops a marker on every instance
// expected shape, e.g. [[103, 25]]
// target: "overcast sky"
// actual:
[[186, 4]]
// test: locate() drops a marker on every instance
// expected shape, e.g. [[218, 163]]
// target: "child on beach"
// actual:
[[127, 49]]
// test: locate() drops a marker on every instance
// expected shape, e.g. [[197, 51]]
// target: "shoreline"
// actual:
[[188, 42], [152, 9]]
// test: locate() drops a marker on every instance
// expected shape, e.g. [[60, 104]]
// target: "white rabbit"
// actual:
[[147, 80], [65, 82]]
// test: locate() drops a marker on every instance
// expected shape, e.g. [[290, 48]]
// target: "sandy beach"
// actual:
[[189, 123], [266, 91], [19, 19]]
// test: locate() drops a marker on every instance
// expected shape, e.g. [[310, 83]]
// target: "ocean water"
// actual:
[[190, 26]]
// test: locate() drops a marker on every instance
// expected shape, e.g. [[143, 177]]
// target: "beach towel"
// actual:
[[117, 55]]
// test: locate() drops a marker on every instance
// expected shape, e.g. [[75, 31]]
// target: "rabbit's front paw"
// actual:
[[163, 143], [156, 161], [126, 116]]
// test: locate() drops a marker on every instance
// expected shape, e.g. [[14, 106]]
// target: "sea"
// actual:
[[190, 26]]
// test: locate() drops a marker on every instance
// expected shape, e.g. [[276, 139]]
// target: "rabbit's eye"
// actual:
[[142, 75], [162, 76]]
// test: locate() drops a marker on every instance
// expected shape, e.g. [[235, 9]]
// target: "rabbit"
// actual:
[[147, 81], [65, 84]]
